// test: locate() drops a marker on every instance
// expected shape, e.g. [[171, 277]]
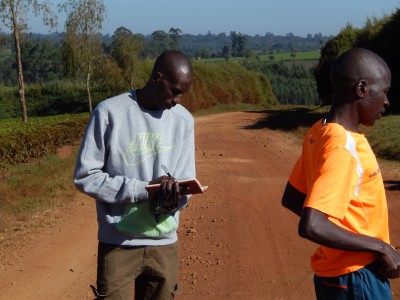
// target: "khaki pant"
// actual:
[[153, 269]]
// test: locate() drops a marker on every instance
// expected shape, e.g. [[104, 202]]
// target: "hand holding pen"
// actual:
[[166, 170], [167, 183]]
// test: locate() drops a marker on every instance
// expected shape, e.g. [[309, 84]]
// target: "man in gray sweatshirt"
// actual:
[[127, 140]]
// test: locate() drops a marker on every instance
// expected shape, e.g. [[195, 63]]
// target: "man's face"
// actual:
[[170, 90], [375, 102]]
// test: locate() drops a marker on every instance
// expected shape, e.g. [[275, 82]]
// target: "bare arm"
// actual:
[[293, 199], [315, 226]]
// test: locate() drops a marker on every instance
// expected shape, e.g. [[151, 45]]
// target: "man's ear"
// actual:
[[157, 76], [361, 88]]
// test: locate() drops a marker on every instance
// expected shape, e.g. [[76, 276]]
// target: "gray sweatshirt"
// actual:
[[122, 150]]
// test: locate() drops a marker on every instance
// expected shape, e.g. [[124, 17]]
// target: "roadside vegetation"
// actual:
[[30, 192], [227, 82], [21, 143]]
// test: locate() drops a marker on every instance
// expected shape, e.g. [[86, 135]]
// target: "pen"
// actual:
[[166, 170]]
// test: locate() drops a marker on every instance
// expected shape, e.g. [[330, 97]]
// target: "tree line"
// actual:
[[378, 35], [41, 54]]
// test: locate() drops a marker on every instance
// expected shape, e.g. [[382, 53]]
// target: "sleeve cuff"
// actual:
[[140, 191]]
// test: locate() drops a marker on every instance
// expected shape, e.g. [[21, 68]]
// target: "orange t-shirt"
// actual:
[[340, 176]]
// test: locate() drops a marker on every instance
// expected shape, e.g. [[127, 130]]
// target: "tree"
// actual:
[[82, 46], [41, 60], [14, 15], [126, 49], [175, 36], [345, 40], [160, 41], [226, 52], [239, 44]]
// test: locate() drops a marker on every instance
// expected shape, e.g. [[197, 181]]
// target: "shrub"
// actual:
[[20, 143]]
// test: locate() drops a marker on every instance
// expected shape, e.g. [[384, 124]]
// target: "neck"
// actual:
[[343, 116], [143, 98]]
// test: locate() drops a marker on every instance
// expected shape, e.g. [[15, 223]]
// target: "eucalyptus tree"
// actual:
[[226, 52], [239, 43], [175, 37], [126, 50], [160, 41], [82, 46], [14, 15]]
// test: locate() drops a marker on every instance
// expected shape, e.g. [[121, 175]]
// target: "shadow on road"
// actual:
[[287, 120], [392, 185]]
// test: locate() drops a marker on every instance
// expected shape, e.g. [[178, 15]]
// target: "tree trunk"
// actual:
[[19, 63], [88, 88]]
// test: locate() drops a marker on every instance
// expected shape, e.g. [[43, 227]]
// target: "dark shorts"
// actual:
[[153, 269], [364, 284]]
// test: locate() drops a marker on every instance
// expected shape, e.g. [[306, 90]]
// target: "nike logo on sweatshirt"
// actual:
[[145, 145]]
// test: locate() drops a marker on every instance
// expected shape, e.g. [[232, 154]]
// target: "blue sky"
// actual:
[[246, 16]]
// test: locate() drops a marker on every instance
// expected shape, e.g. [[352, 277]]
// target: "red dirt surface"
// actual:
[[236, 241]]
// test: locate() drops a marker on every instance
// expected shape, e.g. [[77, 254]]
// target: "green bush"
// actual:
[[20, 143]]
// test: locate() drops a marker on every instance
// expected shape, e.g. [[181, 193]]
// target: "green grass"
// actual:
[[308, 64], [306, 59], [383, 137], [219, 59], [310, 55], [31, 190], [298, 56]]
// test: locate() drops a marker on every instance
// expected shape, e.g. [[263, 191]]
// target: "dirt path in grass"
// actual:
[[236, 241]]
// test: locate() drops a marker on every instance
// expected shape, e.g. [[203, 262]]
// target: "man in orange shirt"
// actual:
[[336, 186]]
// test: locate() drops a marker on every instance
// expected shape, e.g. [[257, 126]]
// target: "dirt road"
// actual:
[[236, 241]]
